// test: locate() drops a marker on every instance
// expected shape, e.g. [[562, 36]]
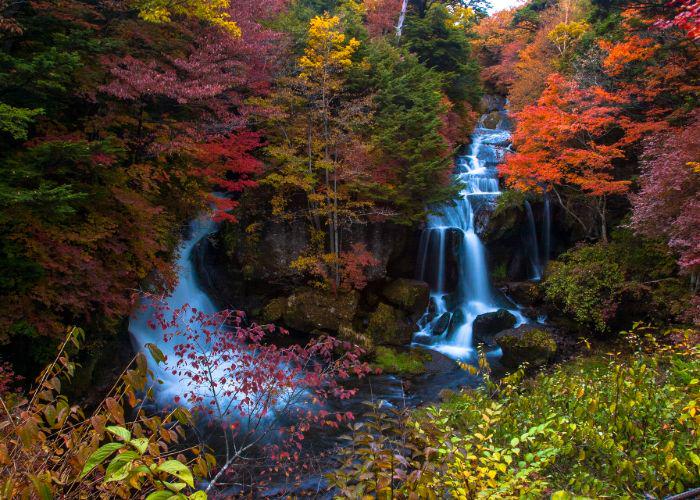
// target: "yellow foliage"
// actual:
[[462, 17], [211, 11], [566, 35], [326, 51]]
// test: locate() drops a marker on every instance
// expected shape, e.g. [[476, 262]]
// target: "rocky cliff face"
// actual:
[[249, 268]]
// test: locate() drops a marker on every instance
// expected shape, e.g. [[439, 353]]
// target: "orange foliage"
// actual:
[[633, 49], [572, 137]]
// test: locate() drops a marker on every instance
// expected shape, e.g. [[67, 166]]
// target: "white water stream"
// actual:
[[469, 293]]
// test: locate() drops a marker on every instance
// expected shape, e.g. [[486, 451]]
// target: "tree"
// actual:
[[444, 46], [326, 56], [571, 139], [668, 202], [259, 395]]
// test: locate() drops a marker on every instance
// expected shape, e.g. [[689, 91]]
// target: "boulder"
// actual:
[[441, 324], [492, 120], [524, 293], [308, 309], [412, 296], [274, 310], [526, 344], [457, 320], [389, 326], [489, 324]]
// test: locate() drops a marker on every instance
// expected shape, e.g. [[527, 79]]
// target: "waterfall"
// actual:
[[533, 250], [546, 230], [477, 176], [188, 292]]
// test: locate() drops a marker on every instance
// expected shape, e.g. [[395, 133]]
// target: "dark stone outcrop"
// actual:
[[412, 296], [457, 320], [529, 344], [489, 324], [441, 324], [525, 293]]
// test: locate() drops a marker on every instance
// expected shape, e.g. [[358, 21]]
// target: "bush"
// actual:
[[50, 448], [606, 425], [587, 282], [604, 286]]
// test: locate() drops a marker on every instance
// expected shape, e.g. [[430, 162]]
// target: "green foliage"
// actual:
[[630, 278], [407, 128], [445, 48], [607, 425], [587, 282], [16, 121]]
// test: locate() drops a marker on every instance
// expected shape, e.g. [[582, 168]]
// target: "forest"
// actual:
[[349, 249]]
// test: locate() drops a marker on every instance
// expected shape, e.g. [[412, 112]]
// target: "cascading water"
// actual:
[[533, 249], [188, 292], [546, 230], [459, 295]]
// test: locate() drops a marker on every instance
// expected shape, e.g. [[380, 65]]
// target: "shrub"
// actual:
[[604, 286], [50, 448], [587, 282], [605, 425]]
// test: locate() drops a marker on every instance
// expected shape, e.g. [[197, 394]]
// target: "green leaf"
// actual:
[[42, 489], [120, 432], [161, 495], [141, 444], [176, 487], [99, 456], [120, 466], [179, 470], [198, 495], [156, 353]]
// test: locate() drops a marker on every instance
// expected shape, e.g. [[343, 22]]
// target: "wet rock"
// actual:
[[489, 324], [432, 310], [452, 300], [491, 120], [309, 309], [457, 320], [524, 293], [482, 217], [492, 102], [411, 296], [526, 344], [389, 326], [441, 324]]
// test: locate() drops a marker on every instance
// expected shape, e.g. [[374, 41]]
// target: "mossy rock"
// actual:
[[388, 325], [526, 345], [274, 310], [347, 333], [309, 309], [405, 363], [412, 296]]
